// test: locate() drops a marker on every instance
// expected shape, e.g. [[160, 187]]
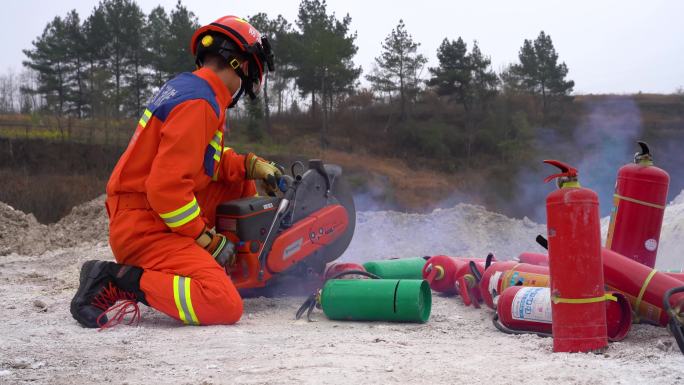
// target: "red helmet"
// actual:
[[234, 38]]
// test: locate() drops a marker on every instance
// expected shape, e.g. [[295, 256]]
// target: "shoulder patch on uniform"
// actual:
[[182, 88]]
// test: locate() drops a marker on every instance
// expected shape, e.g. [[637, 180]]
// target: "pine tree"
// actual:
[[539, 70], [277, 31], [323, 52], [468, 79], [176, 52], [49, 58], [114, 14], [96, 32], [76, 78], [484, 78], [136, 62], [453, 75], [157, 32], [398, 65]]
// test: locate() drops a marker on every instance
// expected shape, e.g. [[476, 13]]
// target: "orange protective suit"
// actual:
[[165, 189]]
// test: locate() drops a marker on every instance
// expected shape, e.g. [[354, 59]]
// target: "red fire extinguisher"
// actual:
[[339, 267], [467, 281], [655, 297], [525, 310], [577, 291], [638, 209], [443, 272], [504, 274], [644, 288], [676, 274], [534, 258]]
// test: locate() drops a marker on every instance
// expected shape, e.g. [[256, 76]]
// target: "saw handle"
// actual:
[[317, 164], [289, 195]]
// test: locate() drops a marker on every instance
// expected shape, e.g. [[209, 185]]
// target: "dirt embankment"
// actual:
[[21, 233], [48, 178]]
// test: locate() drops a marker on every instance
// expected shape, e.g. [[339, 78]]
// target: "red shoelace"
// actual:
[[121, 303]]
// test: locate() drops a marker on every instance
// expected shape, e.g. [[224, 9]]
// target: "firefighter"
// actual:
[[163, 192]]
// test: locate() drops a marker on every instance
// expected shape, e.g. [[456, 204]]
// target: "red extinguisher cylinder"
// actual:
[[676, 275], [501, 275], [644, 287], [467, 284], [490, 278], [442, 272], [334, 269], [577, 288], [534, 258], [638, 208], [528, 309]]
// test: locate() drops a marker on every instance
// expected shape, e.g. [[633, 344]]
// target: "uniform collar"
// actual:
[[220, 89]]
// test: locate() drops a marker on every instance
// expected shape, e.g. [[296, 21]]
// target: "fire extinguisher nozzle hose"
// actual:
[[503, 328], [489, 260], [474, 270], [676, 324]]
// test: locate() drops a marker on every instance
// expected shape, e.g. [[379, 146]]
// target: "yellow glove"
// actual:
[[222, 249], [259, 168]]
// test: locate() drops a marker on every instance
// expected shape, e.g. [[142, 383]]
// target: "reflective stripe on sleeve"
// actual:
[[181, 295], [216, 141], [145, 118], [217, 144], [182, 215]]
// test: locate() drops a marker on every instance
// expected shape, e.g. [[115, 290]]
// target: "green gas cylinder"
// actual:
[[397, 300], [401, 268]]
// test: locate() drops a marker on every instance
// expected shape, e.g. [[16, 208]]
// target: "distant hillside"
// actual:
[[390, 164]]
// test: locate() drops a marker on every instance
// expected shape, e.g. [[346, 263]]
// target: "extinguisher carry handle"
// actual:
[[566, 170], [644, 148]]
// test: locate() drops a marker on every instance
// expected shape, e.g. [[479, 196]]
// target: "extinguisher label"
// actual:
[[522, 278], [494, 283], [532, 304], [651, 244]]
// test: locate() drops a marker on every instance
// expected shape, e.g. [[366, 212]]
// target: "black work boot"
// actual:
[[101, 285]]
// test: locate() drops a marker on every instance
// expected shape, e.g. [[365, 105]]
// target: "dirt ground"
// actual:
[[41, 344]]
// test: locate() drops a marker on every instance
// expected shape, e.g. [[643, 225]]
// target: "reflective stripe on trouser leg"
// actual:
[[181, 294]]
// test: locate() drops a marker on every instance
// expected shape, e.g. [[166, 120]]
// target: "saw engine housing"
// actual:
[[314, 230]]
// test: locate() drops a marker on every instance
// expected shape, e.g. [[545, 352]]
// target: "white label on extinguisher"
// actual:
[[651, 244], [532, 304], [494, 283]]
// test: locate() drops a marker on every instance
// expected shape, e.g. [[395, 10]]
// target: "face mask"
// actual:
[[236, 95]]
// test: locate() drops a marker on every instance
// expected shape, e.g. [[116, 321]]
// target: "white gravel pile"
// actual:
[[464, 230], [21, 233], [671, 250], [468, 230]]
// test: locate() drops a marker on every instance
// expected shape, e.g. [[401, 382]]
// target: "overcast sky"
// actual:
[[609, 45]]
